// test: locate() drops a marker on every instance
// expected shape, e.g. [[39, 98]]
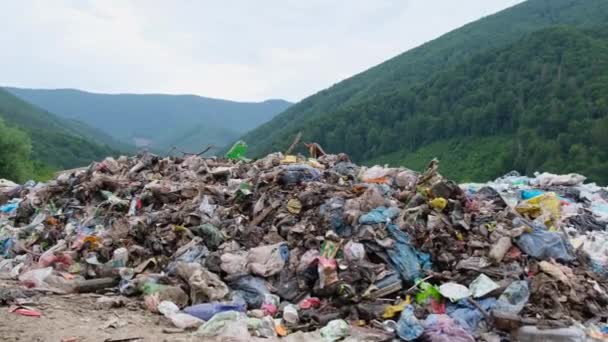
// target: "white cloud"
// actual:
[[235, 49]]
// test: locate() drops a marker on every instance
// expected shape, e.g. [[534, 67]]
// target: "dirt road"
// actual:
[[77, 318]]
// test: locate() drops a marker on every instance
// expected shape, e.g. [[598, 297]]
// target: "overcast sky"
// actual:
[[231, 49]]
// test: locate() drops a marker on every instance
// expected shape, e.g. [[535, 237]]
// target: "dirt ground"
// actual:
[[77, 318]]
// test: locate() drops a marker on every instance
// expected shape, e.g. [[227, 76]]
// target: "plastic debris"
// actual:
[[514, 298], [454, 292], [482, 285], [335, 330], [409, 327], [237, 243]]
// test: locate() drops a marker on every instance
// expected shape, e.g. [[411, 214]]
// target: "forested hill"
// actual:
[[379, 105], [55, 142], [539, 104], [187, 122]]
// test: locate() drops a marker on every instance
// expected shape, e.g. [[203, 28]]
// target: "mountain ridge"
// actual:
[[56, 142], [127, 116], [361, 102]]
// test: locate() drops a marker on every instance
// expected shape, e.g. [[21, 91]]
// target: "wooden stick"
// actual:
[[483, 312], [294, 143]]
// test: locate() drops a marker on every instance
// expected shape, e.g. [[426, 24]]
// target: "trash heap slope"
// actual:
[[320, 247]]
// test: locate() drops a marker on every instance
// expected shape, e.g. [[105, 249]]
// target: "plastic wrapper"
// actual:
[[514, 298]]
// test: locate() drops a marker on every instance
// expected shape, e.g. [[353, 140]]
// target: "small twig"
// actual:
[[483, 312], [209, 147], [411, 289]]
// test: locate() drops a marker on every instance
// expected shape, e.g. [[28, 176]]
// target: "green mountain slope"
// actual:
[[56, 142], [362, 97], [538, 104], [186, 121]]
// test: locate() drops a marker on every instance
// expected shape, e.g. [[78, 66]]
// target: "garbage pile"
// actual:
[[318, 249]]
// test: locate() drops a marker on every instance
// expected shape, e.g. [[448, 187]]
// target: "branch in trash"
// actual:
[[209, 147], [486, 316], [295, 142], [415, 286]]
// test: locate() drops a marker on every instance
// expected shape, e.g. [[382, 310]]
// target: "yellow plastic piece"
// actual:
[[547, 205], [439, 203], [289, 160], [392, 310]]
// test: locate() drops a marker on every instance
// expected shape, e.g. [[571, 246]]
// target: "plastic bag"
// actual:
[[207, 311], [443, 328], [166, 308], [427, 291], [354, 252], [185, 321], [454, 291], [234, 263], [595, 247], [543, 245], [252, 289], [404, 258], [212, 236], [266, 261], [328, 273], [514, 298], [263, 327], [204, 285], [549, 179], [298, 173], [482, 285], [36, 278], [226, 324], [334, 330], [379, 215], [409, 327], [467, 315], [546, 205]]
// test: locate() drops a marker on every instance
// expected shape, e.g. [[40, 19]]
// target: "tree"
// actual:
[[15, 151]]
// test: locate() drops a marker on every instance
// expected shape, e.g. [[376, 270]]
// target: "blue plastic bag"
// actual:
[[404, 258], [251, 289], [514, 298], [409, 327], [467, 315], [543, 245], [206, 311], [530, 193], [379, 215], [9, 208]]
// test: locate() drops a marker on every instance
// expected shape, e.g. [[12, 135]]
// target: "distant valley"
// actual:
[[156, 121]]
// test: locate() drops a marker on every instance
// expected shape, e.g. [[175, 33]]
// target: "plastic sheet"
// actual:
[[404, 258], [514, 298], [409, 327], [379, 215], [543, 245], [442, 328], [467, 315]]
